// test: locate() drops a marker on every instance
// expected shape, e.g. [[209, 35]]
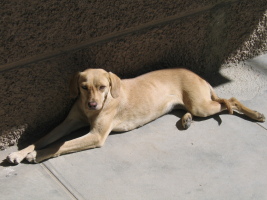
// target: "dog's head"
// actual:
[[93, 87]]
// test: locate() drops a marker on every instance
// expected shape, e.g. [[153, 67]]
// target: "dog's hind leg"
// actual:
[[226, 102], [207, 108], [206, 103], [236, 105], [210, 107]]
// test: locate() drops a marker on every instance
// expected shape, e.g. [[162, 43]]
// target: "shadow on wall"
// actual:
[[34, 99], [36, 95]]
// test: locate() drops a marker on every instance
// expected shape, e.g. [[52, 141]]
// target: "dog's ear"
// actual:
[[74, 87], [115, 85]]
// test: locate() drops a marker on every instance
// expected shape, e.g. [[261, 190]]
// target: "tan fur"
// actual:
[[107, 103]]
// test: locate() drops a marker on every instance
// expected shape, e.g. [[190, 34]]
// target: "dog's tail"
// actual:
[[214, 97]]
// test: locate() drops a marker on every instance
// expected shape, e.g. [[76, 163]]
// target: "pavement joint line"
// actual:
[[51, 174], [262, 126]]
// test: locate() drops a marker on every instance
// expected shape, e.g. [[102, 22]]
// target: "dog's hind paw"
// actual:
[[187, 120], [260, 117]]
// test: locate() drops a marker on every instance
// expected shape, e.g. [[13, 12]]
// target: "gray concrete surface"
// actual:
[[246, 79], [221, 157]]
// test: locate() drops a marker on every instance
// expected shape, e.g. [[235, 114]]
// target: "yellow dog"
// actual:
[[106, 103]]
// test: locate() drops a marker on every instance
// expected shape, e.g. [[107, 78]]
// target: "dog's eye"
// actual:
[[84, 87], [102, 87]]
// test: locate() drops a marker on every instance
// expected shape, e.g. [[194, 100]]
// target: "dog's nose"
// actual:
[[92, 105]]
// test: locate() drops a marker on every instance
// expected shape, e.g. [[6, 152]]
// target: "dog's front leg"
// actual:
[[63, 129], [91, 140]]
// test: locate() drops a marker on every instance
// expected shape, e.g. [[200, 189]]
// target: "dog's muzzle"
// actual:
[[92, 105]]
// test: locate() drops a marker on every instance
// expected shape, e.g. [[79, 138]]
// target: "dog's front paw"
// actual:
[[15, 157], [31, 157]]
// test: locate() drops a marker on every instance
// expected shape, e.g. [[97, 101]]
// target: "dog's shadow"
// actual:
[[5, 163]]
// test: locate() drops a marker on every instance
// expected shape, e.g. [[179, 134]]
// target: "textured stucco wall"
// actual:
[[43, 42]]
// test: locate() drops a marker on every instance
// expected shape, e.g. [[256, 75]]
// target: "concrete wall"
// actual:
[[44, 42]]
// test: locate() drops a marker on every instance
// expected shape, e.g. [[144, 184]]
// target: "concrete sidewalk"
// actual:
[[221, 157]]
